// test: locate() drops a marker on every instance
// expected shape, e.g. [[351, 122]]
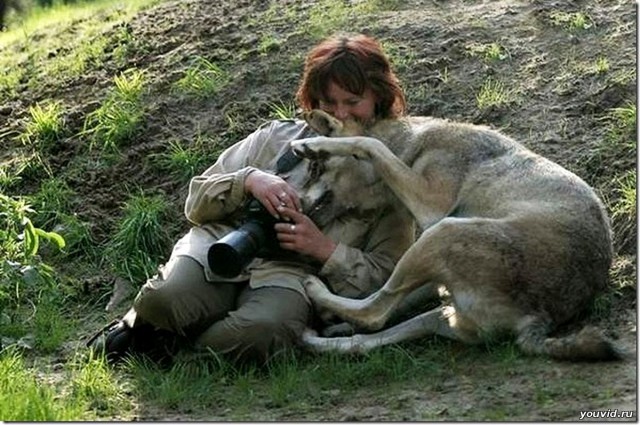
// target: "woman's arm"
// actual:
[[220, 190], [356, 273]]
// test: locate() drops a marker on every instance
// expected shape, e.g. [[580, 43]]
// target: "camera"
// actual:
[[255, 237]]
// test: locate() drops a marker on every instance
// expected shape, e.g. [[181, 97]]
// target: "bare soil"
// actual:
[[559, 111]]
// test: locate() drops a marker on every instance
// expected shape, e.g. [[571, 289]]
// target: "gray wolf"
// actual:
[[513, 242]]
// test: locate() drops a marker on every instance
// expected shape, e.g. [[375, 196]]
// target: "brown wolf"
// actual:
[[516, 243]]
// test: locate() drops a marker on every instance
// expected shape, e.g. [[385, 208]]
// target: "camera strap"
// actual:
[[287, 161]]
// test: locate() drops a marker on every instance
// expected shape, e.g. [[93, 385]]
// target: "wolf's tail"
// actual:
[[590, 344]]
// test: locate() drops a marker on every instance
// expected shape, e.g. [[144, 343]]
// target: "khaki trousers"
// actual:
[[229, 318]]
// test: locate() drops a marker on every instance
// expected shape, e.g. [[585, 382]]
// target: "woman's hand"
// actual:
[[272, 192], [300, 234]]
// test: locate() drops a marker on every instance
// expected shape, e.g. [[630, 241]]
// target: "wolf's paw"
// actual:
[[308, 148], [323, 123], [321, 148]]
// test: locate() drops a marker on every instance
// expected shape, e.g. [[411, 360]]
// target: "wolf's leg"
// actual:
[[427, 204], [424, 263], [475, 259], [432, 322]]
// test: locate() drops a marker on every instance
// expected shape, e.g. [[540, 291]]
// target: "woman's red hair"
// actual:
[[354, 63]]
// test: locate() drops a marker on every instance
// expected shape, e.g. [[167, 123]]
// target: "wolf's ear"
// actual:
[[323, 123]]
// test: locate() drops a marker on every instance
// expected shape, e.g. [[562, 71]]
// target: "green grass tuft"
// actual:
[[122, 114], [576, 21], [494, 94], [186, 161], [45, 127], [24, 398], [141, 239], [201, 80], [283, 111]]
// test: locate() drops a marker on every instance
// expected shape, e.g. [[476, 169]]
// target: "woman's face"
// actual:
[[345, 105]]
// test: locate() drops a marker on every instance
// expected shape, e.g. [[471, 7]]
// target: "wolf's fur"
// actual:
[[517, 243]]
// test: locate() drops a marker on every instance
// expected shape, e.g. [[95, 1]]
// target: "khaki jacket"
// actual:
[[366, 252]]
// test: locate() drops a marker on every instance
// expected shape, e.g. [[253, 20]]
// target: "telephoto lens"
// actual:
[[232, 253]]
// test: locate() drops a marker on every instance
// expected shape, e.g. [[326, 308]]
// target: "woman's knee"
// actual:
[[180, 297], [271, 333], [256, 331]]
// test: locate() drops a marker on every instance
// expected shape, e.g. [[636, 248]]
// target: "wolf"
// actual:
[[514, 243]]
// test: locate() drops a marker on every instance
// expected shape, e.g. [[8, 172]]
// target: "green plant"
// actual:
[[10, 174], [141, 238], [24, 279], [19, 238], [626, 189], [9, 82], [268, 43], [402, 57], [184, 162], [328, 16], [624, 119], [185, 385], [24, 398], [494, 93], [623, 210], [121, 115], [51, 200], [601, 66], [282, 110], [202, 79], [489, 51], [95, 386], [51, 326], [572, 21], [125, 44], [86, 52], [45, 127]]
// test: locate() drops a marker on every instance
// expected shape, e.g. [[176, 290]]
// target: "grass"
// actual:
[[601, 66], [79, 240], [45, 127], [283, 111], [623, 124], [572, 21], [402, 57], [494, 93], [141, 238], [64, 42], [121, 116], [52, 200], [269, 43], [626, 188], [329, 16], [23, 398], [183, 160], [624, 208], [488, 51], [88, 391], [201, 80], [291, 380]]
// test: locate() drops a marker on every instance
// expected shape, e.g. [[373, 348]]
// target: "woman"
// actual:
[[265, 309]]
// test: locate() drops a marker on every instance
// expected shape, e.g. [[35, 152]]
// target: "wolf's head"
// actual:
[[334, 185]]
